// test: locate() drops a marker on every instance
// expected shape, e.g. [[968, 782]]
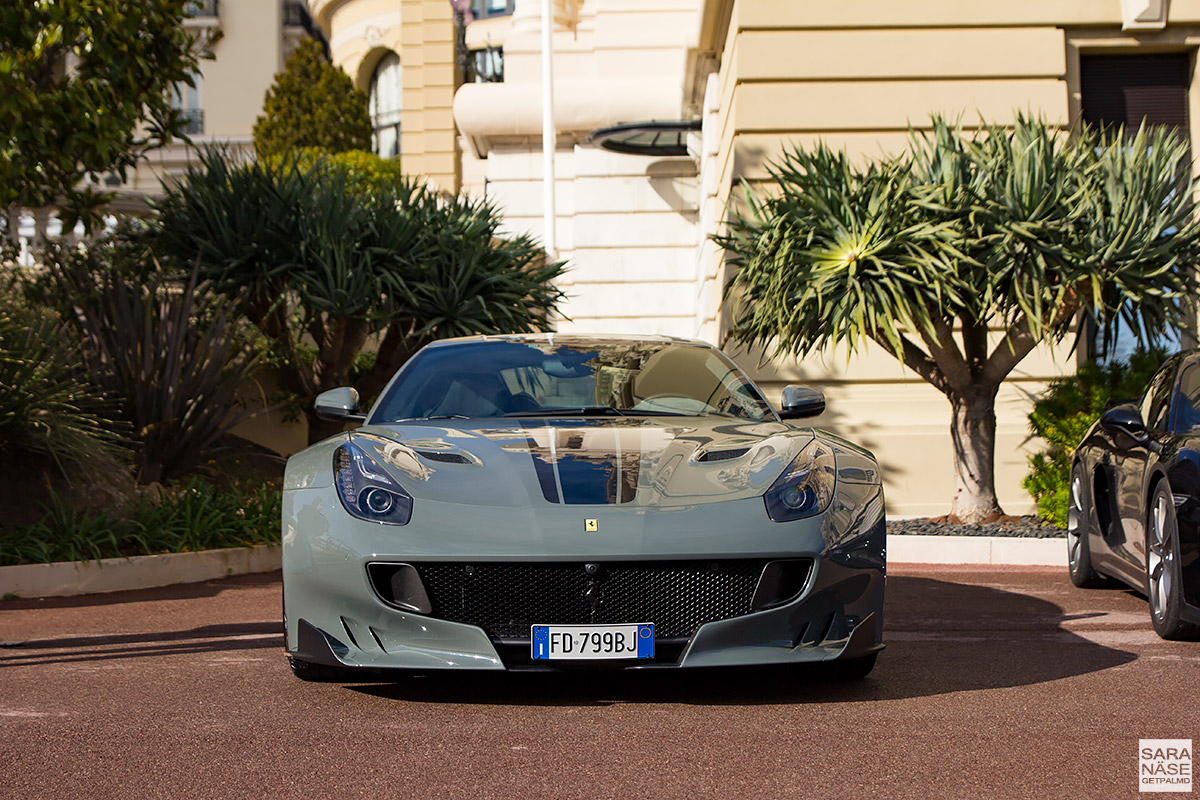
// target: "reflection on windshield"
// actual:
[[571, 377]]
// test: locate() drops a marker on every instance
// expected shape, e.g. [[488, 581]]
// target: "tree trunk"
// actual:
[[973, 432]]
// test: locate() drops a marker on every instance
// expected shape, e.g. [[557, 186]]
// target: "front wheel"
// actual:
[[1163, 577], [1079, 527]]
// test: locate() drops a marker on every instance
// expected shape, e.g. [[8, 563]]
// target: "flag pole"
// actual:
[[549, 137]]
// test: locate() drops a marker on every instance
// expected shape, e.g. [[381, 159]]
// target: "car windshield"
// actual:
[[502, 378]]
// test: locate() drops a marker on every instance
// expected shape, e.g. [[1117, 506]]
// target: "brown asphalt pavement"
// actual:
[[997, 683]]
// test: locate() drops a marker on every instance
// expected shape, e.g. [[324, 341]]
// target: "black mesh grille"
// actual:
[[506, 599]]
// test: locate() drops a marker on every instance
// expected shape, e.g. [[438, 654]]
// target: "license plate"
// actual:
[[589, 642]]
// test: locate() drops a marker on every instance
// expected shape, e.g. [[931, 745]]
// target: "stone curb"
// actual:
[[67, 578], [1011, 550]]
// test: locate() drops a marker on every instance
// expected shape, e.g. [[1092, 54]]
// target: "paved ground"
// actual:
[[996, 683]]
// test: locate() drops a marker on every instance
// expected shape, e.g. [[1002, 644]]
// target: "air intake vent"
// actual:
[[722, 455], [445, 458]]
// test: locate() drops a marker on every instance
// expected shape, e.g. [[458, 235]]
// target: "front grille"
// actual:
[[506, 599]]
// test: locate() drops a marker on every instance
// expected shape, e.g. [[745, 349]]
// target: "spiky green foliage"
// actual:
[[1008, 228], [312, 104], [63, 125], [319, 256], [173, 369], [1065, 411], [47, 405]]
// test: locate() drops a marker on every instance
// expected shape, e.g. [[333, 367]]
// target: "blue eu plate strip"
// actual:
[[541, 642], [645, 641]]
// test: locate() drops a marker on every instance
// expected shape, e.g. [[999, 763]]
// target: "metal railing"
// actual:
[[201, 8], [193, 120]]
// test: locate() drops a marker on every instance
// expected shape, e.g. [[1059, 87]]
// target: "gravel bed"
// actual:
[[1028, 527]]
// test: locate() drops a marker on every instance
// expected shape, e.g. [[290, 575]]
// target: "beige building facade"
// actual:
[[756, 75], [257, 36], [411, 42]]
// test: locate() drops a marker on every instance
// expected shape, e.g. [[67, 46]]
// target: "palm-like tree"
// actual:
[[961, 255]]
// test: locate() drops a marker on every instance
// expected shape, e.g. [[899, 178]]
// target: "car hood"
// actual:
[[636, 461]]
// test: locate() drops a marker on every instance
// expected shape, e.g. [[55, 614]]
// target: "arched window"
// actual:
[[385, 101]]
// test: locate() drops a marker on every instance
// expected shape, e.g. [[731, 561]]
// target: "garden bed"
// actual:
[[1030, 527]]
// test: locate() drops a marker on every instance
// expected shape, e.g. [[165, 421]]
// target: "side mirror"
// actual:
[[1126, 420], [801, 401], [340, 404]]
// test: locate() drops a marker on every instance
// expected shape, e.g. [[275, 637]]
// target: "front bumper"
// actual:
[[335, 617]]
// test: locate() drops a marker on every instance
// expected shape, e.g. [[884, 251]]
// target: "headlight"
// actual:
[[805, 487], [366, 491]]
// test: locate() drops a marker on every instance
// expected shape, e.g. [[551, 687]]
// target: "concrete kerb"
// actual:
[[144, 572], [65, 579], [1010, 550]]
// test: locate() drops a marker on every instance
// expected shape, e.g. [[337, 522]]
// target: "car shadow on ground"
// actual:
[[179, 591], [203, 639], [941, 637]]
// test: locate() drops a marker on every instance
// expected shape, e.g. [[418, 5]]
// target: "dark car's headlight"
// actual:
[[366, 491], [805, 487]]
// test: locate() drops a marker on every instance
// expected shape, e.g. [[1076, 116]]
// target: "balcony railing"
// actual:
[[193, 120], [201, 8], [486, 66]]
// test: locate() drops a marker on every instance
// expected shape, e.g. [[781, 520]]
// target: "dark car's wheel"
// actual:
[[1162, 568], [1079, 526]]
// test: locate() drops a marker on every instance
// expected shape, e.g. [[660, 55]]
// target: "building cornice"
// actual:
[[322, 11]]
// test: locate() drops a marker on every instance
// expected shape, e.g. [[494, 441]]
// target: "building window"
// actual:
[[1128, 90], [1125, 90], [487, 65], [491, 8], [385, 103], [188, 100]]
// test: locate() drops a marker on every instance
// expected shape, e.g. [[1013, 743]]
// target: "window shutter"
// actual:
[[1124, 90]]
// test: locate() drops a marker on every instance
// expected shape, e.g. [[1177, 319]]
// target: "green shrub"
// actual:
[[312, 103], [1063, 415], [331, 253], [171, 361], [47, 406], [191, 516]]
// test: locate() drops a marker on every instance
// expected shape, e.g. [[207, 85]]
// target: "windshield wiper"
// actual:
[[446, 416], [577, 411], [591, 411]]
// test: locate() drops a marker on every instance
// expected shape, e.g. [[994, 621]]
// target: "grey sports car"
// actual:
[[550, 501]]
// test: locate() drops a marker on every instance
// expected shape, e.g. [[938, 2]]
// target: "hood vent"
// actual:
[[445, 458], [722, 455]]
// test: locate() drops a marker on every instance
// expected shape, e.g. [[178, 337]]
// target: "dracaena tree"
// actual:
[[325, 256], [961, 255]]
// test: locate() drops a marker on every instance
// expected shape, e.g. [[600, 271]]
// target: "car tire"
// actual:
[[322, 673], [1164, 585], [1080, 524]]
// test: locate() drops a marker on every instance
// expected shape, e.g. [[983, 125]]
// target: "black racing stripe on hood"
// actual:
[[584, 475]]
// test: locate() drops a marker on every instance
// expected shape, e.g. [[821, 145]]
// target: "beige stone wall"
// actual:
[[626, 224], [421, 32], [857, 74]]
